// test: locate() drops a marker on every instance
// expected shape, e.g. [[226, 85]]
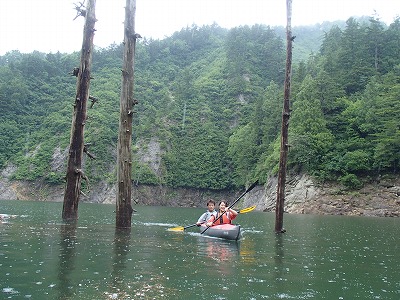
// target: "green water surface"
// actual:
[[319, 257]]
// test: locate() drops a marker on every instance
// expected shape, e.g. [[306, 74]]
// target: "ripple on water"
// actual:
[[10, 291]]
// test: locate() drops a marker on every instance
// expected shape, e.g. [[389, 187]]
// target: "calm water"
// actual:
[[320, 257]]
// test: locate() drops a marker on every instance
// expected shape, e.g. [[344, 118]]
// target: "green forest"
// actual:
[[210, 106]]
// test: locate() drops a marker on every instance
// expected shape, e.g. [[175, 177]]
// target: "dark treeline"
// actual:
[[210, 105]]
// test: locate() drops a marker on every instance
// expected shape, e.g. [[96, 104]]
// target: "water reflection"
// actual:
[[247, 251], [281, 267], [122, 241], [220, 253], [278, 257], [68, 240], [279, 253]]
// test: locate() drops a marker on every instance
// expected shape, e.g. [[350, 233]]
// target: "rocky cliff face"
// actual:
[[303, 196]]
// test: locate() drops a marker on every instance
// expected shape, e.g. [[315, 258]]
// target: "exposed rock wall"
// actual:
[[303, 196]]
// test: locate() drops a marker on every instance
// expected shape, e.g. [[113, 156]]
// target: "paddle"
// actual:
[[242, 211], [180, 228], [246, 210], [234, 202]]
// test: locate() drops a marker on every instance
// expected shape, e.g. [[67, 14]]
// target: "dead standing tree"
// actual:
[[74, 169], [124, 156], [280, 200]]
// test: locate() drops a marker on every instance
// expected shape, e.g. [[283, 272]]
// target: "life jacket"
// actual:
[[226, 218]]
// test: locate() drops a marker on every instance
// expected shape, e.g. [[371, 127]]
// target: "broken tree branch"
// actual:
[[94, 100], [80, 10], [82, 174], [85, 150]]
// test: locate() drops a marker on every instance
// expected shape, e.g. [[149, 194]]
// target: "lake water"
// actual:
[[319, 257]]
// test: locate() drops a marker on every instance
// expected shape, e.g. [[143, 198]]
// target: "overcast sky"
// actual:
[[48, 26]]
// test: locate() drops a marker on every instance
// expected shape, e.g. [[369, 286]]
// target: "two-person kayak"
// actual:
[[224, 231]]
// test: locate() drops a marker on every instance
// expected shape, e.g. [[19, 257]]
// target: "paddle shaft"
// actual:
[[234, 202], [186, 227]]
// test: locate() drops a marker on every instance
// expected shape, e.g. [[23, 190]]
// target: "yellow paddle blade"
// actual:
[[179, 228], [246, 210]]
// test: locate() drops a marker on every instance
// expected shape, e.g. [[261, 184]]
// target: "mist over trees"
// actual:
[[210, 104]]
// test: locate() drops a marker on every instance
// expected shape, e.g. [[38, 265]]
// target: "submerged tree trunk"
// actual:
[[280, 200], [124, 157], [74, 169]]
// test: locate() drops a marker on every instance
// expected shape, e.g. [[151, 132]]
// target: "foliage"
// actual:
[[212, 98], [350, 181]]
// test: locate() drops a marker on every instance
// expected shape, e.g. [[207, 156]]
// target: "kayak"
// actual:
[[224, 231]]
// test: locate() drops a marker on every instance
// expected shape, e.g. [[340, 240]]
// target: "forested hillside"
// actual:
[[209, 107]]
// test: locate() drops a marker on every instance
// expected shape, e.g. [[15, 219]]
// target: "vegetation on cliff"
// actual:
[[210, 104]]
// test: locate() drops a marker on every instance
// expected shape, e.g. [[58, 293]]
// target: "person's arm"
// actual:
[[202, 219], [210, 221], [232, 213]]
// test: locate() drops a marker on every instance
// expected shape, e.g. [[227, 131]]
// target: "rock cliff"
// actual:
[[303, 196]]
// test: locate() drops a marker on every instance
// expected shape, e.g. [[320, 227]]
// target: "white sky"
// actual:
[[48, 26]]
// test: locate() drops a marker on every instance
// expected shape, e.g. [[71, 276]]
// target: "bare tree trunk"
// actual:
[[124, 160], [280, 200], [74, 170]]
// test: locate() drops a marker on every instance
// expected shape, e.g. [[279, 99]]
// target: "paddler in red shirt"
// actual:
[[225, 215]]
